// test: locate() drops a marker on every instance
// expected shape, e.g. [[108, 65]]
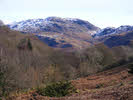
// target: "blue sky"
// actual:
[[102, 13]]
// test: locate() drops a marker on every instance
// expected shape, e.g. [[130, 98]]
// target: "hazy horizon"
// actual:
[[102, 13]]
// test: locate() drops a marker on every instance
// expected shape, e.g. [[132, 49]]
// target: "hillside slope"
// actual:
[[113, 84], [28, 62]]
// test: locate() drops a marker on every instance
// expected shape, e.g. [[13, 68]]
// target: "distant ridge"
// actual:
[[112, 30], [58, 32], [73, 33], [54, 24]]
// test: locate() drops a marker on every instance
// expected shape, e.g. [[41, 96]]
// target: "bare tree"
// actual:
[[6, 73]]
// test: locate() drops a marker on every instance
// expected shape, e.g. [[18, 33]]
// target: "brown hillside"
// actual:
[[114, 84]]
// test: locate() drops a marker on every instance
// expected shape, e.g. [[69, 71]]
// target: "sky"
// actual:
[[102, 13]]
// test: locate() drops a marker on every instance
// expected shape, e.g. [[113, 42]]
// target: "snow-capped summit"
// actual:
[[53, 24], [60, 19], [112, 30], [104, 32], [125, 28]]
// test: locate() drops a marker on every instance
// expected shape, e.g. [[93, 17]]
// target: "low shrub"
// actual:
[[130, 68], [99, 85], [58, 89]]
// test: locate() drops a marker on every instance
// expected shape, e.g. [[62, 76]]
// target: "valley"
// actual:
[[38, 56]]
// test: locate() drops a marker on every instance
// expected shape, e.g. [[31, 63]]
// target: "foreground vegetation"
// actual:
[[113, 84], [57, 89]]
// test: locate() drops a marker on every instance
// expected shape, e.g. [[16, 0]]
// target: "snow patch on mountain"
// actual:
[[53, 24]]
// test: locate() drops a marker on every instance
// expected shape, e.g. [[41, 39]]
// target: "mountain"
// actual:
[[59, 32], [54, 24], [119, 40], [112, 30], [113, 37], [70, 33]]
